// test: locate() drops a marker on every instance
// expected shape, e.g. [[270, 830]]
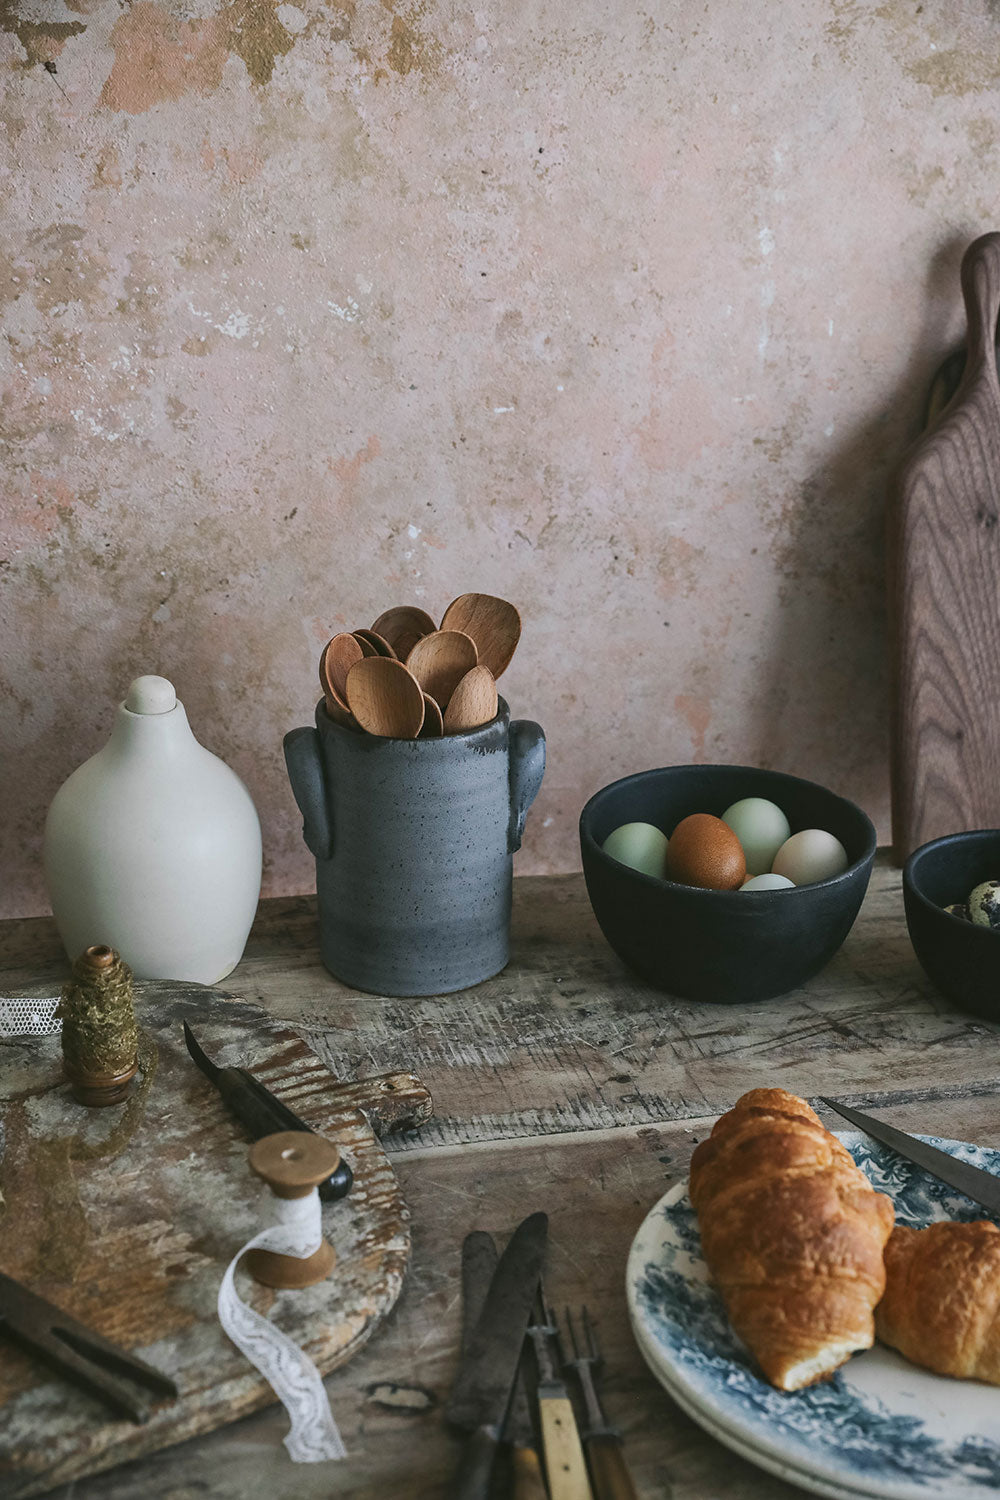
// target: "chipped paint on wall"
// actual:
[[310, 308]]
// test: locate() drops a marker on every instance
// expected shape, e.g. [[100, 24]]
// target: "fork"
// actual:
[[608, 1469]]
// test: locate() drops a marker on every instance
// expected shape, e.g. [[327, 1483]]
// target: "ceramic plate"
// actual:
[[881, 1427]]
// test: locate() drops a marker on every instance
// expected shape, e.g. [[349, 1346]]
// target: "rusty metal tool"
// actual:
[[261, 1112], [77, 1351]]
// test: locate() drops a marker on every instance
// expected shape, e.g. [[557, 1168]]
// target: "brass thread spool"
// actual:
[[100, 1038], [293, 1163]]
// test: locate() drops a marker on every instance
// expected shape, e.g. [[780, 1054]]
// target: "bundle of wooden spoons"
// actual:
[[406, 678]]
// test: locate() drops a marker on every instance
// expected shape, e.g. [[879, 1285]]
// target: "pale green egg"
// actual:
[[641, 846], [768, 882], [761, 828]]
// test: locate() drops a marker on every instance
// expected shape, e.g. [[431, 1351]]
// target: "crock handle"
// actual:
[[305, 771], [527, 767]]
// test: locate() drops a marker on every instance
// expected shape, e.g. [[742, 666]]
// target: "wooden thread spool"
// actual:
[[293, 1163]]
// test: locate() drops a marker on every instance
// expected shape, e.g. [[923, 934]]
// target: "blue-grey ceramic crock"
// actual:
[[413, 842]]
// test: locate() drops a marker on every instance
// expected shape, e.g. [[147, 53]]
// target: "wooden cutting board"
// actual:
[[944, 594], [127, 1217]]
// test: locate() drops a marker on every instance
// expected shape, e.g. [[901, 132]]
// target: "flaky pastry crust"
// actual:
[[793, 1234], [941, 1307]]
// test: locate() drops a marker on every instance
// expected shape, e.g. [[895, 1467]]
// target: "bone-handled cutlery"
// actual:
[[489, 1365], [565, 1465], [608, 1468]]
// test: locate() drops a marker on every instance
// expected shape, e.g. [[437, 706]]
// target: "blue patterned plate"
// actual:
[[880, 1427]]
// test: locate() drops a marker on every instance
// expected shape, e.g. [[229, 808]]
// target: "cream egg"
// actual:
[[640, 846], [768, 882], [810, 855], [761, 828]]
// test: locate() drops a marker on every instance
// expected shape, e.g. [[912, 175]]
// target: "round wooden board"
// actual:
[[127, 1217]]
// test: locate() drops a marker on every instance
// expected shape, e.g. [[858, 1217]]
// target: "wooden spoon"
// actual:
[[385, 699], [473, 702], [374, 645], [402, 627], [433, 726], [337, 657], [439, 661], [493, 624]]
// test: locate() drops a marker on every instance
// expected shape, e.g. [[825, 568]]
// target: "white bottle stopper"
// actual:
[[150, 695]]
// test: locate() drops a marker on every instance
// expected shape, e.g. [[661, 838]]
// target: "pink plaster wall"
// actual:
[[314, 308]]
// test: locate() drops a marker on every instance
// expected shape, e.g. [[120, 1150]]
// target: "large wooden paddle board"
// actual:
[[127, 1217], [944, 594]]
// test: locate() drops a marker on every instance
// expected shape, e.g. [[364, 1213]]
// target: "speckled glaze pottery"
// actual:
[[413, 842]]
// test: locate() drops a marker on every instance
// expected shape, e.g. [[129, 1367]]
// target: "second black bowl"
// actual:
[[725, 946], [962, 959]]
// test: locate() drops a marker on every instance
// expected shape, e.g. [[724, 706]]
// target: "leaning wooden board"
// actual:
[[127, 1217], [944, 594]]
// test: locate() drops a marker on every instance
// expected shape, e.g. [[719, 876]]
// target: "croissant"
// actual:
[[793, 1233], [941, 1307]]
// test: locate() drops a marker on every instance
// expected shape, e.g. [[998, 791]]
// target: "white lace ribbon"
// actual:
[[28, 1016], [291, 1374]]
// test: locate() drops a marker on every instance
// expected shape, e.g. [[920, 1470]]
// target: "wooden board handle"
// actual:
[[981, 290], [564, 1461], [526, 1481]]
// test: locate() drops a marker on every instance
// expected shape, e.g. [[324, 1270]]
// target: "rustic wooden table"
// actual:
[[564, 1084]]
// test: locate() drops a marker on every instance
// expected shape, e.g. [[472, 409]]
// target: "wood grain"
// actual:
[[564, 1084], [128, 1222], [943, 546]]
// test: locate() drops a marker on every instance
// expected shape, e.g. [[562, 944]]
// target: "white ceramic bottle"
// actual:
[[153, 847]]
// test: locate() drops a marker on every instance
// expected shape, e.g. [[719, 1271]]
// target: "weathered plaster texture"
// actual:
[[623, 313]]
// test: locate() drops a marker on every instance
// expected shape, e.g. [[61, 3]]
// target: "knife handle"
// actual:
[[527, 1483], [476, 1467], [564, 1462], [610, 1472]]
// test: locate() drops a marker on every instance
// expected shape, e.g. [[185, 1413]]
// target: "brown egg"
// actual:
[[705, 851]]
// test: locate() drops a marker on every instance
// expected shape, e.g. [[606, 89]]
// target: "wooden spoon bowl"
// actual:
[[440, 661], [473, 702], [402, 627], [385, 699], [492, 623]]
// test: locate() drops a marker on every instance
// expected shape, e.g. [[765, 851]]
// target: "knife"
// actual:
[[262, 1114], [565, 1464], [982, 1187], [479, 1261], [489, 1364]]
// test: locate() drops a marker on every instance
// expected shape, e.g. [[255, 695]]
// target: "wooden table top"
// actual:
[[568, 1085]]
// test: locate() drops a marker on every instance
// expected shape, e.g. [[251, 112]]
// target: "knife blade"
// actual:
[[982, 1187], [479, 1261], [260, 1111], [488, 1367]]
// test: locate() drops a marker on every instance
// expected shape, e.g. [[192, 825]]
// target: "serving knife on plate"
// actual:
[[982, 1187], [489, 1365]]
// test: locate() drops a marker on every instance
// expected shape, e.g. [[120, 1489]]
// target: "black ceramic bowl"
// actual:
[[726, 946], [962, 960]]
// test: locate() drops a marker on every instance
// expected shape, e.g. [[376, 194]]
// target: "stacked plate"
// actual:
[[881, 1429]]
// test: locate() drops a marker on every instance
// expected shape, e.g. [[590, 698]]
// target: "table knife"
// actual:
[[982, 1187], [479, 1261], [489, 1364], [260, 1111], [565, 1465]]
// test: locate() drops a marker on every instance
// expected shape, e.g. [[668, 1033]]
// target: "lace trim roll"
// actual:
[[289, 1371], [28, 1017]]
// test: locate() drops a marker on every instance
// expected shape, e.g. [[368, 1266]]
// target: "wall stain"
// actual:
[[257, 36], [956, 72], [42, 40], [158, 58]]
